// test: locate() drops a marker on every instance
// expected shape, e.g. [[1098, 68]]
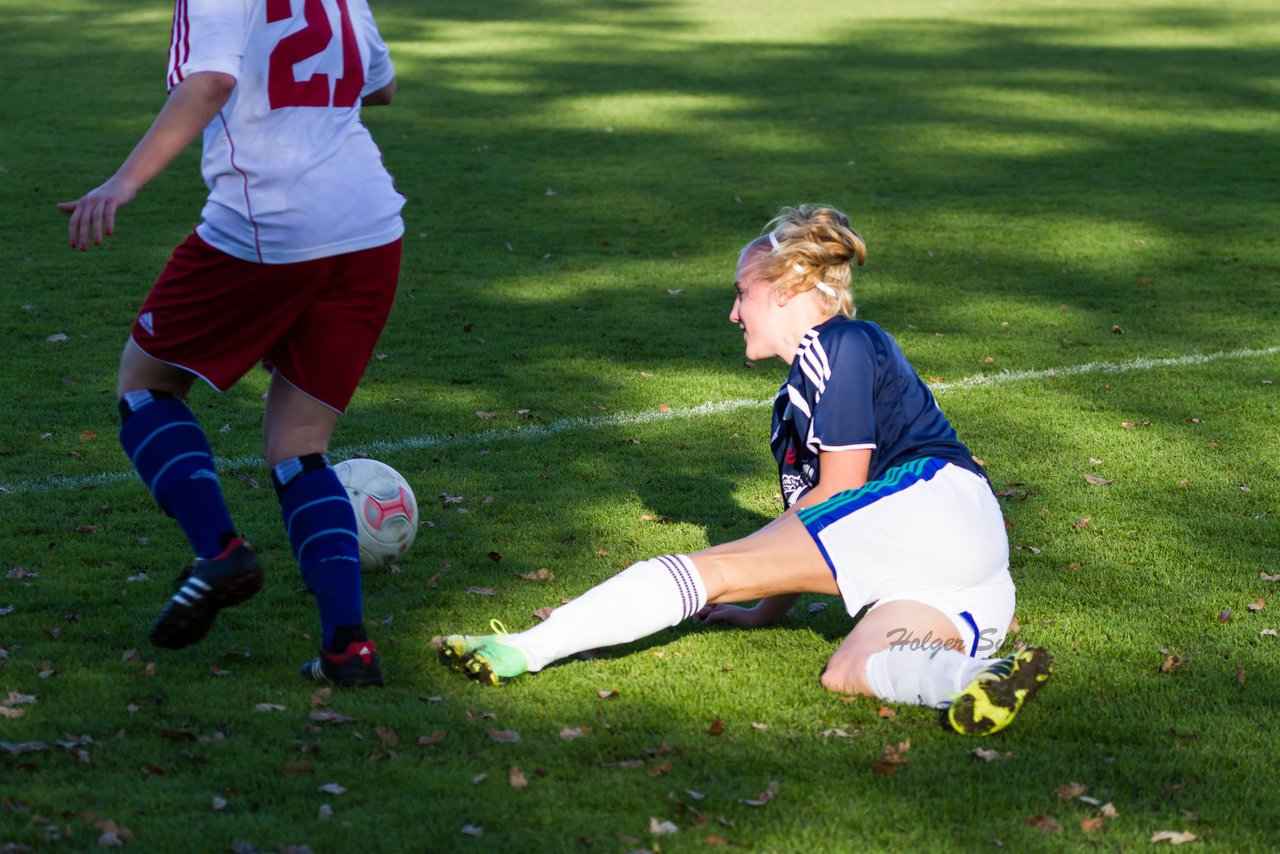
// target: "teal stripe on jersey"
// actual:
[[895, 480]]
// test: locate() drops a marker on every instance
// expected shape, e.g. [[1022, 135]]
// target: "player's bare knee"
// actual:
[[846, 675], [843, 683]]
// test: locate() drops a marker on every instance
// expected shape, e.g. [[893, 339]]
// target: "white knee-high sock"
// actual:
[[922, 677], [644, 598]]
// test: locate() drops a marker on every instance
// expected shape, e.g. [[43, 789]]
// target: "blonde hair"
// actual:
[[811, 247]]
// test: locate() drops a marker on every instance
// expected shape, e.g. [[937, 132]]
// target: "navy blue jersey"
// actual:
[[851, 388]]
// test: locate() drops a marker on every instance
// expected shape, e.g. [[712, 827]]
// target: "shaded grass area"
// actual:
[[1148, 578]]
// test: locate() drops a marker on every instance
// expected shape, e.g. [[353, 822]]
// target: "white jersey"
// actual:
[[292, 173]]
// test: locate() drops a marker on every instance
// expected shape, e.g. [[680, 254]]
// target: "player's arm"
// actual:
[[838, 471], [191, 106], [380, 97]]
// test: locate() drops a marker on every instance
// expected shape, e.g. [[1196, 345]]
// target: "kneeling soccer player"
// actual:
[[885, 508]]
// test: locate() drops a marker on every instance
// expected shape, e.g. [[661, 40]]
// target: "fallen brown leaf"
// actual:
[[891, 758], [1046, 824], [764, 797], [18, 699], [517, 779], [716, 728], [1070, 791], [662, 828], [329, 717], [1174, 837]]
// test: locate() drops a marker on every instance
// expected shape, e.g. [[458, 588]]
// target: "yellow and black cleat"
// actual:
[[992, 700]]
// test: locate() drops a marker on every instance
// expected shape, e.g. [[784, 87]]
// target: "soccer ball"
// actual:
[[386, 511]]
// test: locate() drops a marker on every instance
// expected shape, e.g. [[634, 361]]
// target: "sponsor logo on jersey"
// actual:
[[793, 486]]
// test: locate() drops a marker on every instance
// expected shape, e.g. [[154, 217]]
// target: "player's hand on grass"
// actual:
[[94, 213], [733, 615]]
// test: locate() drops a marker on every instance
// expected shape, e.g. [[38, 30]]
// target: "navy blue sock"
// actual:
[[172, 456], [322, 528]]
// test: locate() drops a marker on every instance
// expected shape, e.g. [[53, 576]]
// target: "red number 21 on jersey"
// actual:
[[285, 91]]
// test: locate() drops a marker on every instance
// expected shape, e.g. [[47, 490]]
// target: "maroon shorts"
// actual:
[[315, 322]]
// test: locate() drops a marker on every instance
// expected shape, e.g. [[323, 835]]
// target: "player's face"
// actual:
[[756, 311]]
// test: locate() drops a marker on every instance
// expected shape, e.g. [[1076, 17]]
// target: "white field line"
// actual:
[[542, 431]]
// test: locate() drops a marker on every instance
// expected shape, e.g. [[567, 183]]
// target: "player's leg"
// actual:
[[322, 530], [650, 596], [169, 449], [311, 385], [171, 454], [912, 652], [212, 316], [928, 551], [905, 652]]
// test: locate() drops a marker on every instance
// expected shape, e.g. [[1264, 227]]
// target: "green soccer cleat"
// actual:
[[455, 648], [495, 663], [484, 658], [991, 701]]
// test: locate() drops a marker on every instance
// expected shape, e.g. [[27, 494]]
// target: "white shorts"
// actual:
[[927, 531]]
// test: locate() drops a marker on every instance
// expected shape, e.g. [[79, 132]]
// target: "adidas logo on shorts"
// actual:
[[144, 320]]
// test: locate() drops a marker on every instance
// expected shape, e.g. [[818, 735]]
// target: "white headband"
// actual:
[[820, 285]]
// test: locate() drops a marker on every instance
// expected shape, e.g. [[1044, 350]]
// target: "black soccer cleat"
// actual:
[[357, 667], [203, 589], [993, 699]]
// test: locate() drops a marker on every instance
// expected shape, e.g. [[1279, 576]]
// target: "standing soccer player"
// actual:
[[298, 247], [885, 507]]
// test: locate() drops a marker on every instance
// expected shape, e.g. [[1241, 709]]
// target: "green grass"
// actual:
[[1041, 185]]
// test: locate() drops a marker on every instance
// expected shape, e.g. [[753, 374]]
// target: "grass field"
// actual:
[[1070, 212]]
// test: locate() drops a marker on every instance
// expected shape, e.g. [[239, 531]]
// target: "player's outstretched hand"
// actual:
[[94, 213], [733, 615]]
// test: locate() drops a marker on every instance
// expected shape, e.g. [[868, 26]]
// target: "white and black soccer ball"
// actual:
[[386, 511]]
